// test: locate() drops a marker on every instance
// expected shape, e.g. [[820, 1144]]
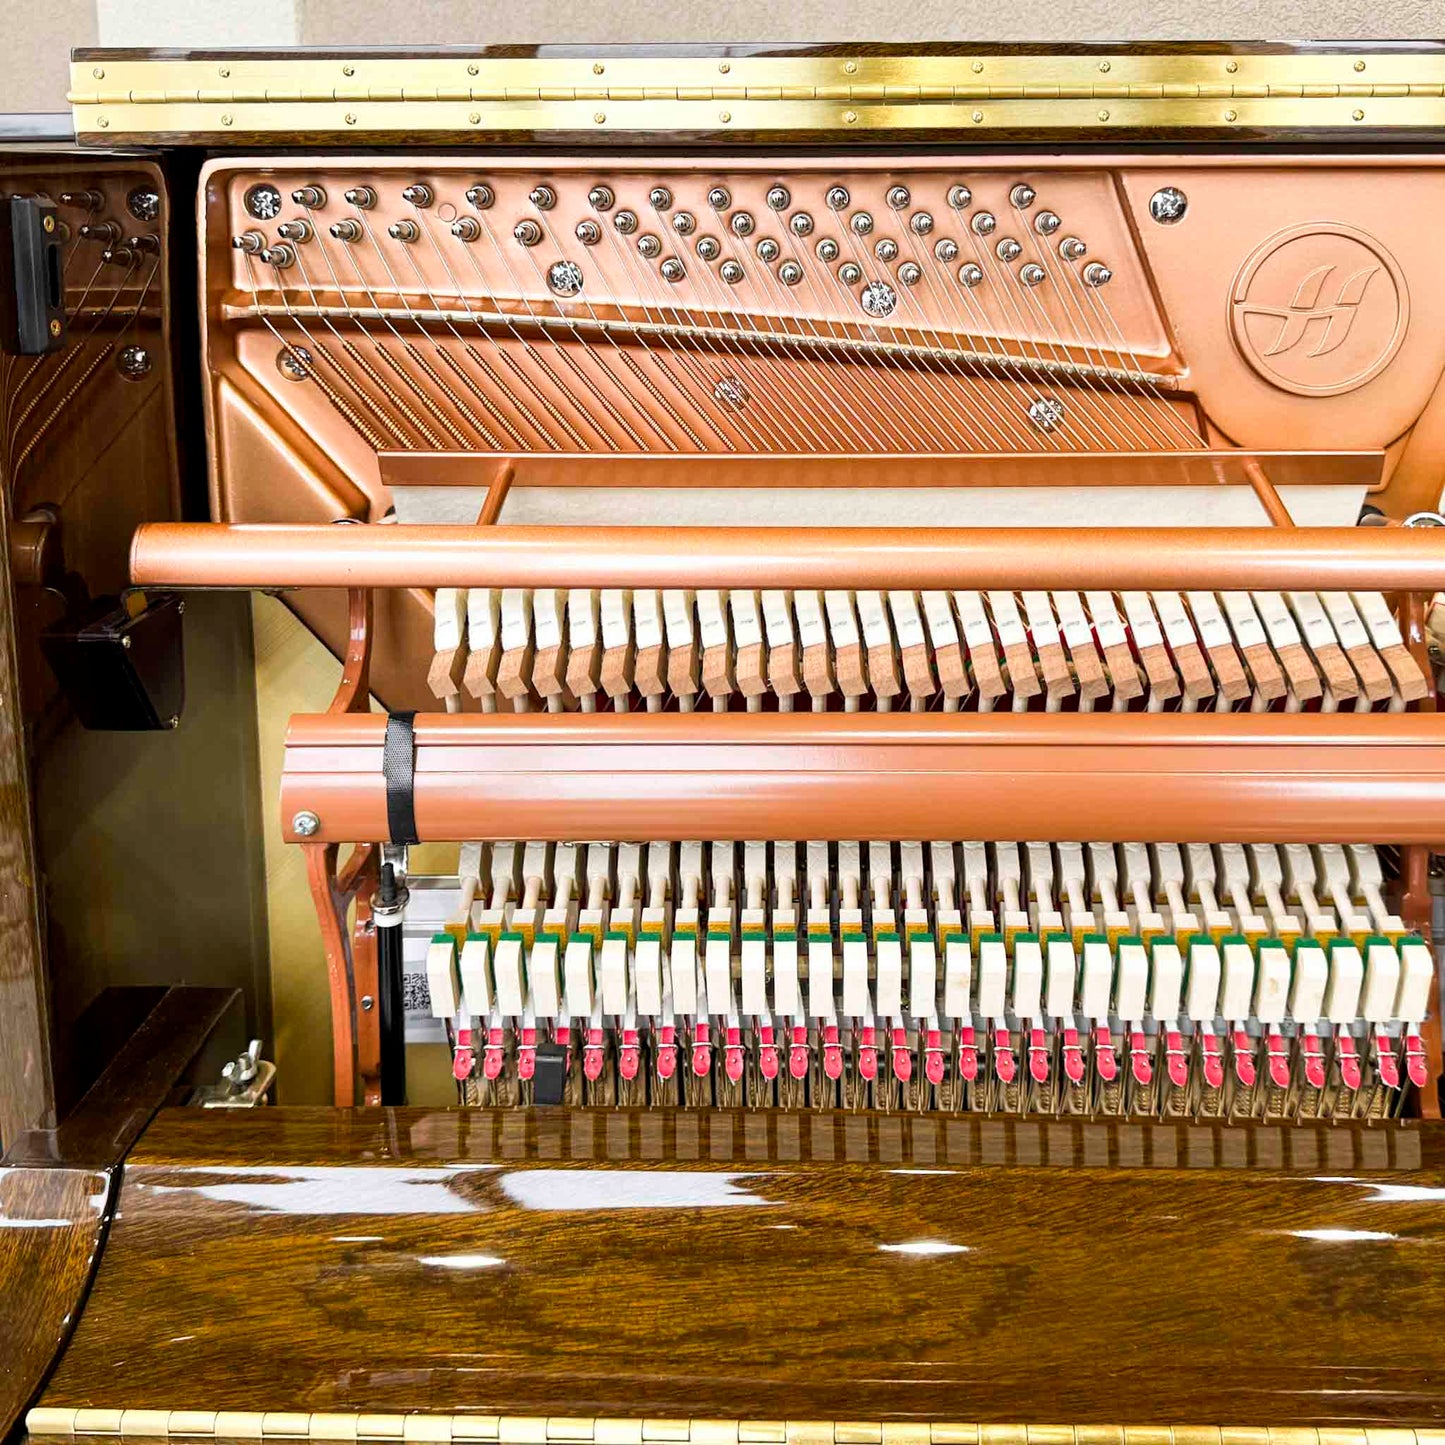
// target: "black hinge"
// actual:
[[32, 280]]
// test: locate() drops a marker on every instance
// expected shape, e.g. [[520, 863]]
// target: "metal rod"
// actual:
[[182, 554], [388, 907], [1269, 498]]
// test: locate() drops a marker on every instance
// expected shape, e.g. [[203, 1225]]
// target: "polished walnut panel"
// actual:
[[814, 1266], [53, 1220]]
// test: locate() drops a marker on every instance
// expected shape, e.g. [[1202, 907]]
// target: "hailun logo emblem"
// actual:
[[1319, 309]]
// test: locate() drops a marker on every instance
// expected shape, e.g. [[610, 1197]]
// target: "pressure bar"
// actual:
[[178, 554], [1131, 777]]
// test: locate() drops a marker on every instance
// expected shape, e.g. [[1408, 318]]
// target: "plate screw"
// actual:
[[1103, 115], [851, 67], [599, 68], [726, 116], [99, 72], [1232, 66], [724, 68], [348, 70], [977, 116], [473, 69], [55, 328], [225, 72], [367, 1003], [225, 120], [1359, 65], [102, 122], [1104, 66], [475, 118], [305, 824], [1359, 115], [1230, 115], [850, 116], [599, 117], [978, 67], [351, 120]]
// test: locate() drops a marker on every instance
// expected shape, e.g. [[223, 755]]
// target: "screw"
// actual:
[[125, 643], [474, 69], [348, 70], [180, 609], [55, 328], [103, 122], [49, 223], [1230, 115], [174, 722], [726, 116], [350, 119], [1232, 66], [851, 67], [1105, 66], [977, 116], [1103, 115], [1359, 115], [225, 72], [1359, 65], [724, 68], [978, 67], [850, 116], [98, 72], [367, 1003], [305, 823], [599, 117], [226, 120], [475, 117], [599, 68]]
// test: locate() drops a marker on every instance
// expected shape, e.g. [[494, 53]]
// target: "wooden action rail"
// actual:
[[1132, 777]]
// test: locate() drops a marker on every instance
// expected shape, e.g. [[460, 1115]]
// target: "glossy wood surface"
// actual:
[[796, 1266]]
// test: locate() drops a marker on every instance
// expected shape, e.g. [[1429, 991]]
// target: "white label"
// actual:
[[577, 976], [812, 631], [856, 1003], [1213, 630], [1006, 620], [476, 992], [1348, 627], [922, 977], [941, 627], [677, 612], [614, 618], [874, 617], [647, 618], [441, 978], [1384, 630], [447, 619], [483, 617], [1072, 620], [1142, 622], [1277, 619], [1244, 620], [841, 622], [890, 978], [516, 619], [612, 975], [755, 976], [777, 618], [717, 970], [1313, 620], [747, 625], [647, 973], [1041, 619], [547, 617], [907, 621], [820, 978], [683, 965], [977, 630], [1107, 626], [957, 978], [581, 618], [1177, 626], [712, 625], [786, 999]]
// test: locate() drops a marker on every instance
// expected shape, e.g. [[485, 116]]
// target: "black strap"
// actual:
[[398, 766]]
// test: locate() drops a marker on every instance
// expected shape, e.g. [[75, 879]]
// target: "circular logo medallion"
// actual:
[[1319, 309]]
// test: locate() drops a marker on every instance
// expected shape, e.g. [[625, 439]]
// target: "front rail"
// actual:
[[1390, 559], [1135, 777]]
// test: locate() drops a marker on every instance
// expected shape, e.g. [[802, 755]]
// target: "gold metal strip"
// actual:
[[423, 1429], [431, 96]]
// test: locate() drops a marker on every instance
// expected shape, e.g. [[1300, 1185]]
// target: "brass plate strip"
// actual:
[[425, 1429], [225, 97]]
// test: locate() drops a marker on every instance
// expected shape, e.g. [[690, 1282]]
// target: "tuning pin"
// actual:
[[625, 222], [945, 250], [742, 223], [543, 197], [649, 247], [898, 197], [984, 223], [837, 198], [82, 200], [970, 274], [1097, 274], [346, 230], [1046, 223], [910, 273], [959, 198], [790, 273], [1008, 250], [403, 231], [719, 198], [886, 249], [297, 230], [362, 197], [827, 250], [862, 223], [779, 198], [251, 242], [588, 232], [660, 198], [672, 270], [768, 250], [309, 198], [849, 273], [146, 245], [281, 256], [800, 223], [418, 194], [684, 223], [106, 232], [527, 233], [1022, 196], [601, 198], [124, 256], [466, 228], [481, 196], [1032, 274], [708, 248], [1071, 248], [921, 223]]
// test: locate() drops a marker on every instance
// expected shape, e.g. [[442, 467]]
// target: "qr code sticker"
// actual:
[[416, 996]]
